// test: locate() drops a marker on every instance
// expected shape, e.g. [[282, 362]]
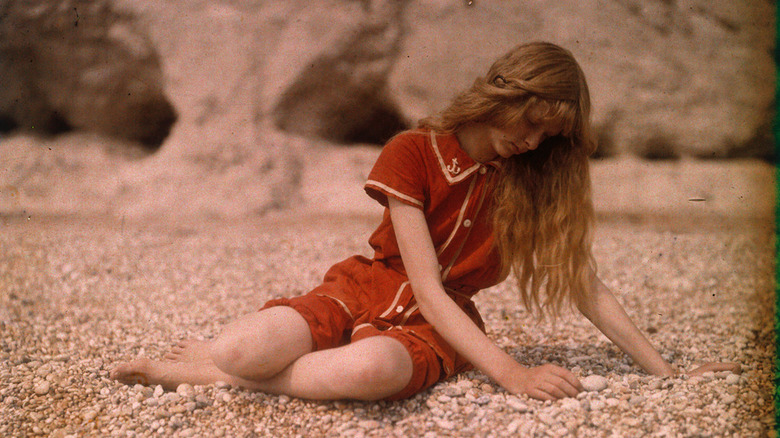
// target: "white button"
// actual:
[[467, 223], [482, 170], [399, 309]]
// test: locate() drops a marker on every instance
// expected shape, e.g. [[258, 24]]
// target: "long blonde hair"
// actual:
[[542, 210]]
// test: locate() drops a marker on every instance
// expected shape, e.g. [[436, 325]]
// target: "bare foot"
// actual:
[[170, 374], [131, 373], [190, 350]]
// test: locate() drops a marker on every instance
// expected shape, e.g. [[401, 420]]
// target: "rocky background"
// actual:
[[225, 108]]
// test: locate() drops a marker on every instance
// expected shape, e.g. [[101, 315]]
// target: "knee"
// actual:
[[381, 375], [231, 356]]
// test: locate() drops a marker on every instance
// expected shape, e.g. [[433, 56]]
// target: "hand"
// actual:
[[545, 382], [716, 367]]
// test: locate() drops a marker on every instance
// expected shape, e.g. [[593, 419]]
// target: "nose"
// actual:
[[534, 139]]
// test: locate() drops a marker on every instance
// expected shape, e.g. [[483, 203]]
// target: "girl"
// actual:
[[498, 182]]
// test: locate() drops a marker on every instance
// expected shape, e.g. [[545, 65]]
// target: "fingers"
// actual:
[[555, 383], [570, 378]]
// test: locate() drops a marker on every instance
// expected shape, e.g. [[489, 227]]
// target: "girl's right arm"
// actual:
[[546, 382]]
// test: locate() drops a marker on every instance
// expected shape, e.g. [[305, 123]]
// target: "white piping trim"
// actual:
[[395, 301], [360, 327], [344, 306], [446, 272], [409, 313], [393, 191], [460, 218], [443, 166]]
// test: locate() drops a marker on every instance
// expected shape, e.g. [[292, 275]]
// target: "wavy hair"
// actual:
[[542, 210]]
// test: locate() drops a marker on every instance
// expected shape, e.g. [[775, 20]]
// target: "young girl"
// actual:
[[498, 182]]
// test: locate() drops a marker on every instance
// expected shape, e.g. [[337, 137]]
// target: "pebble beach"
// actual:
[[79, 295]]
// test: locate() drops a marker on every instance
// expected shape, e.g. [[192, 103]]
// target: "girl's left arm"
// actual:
[[606, 313]]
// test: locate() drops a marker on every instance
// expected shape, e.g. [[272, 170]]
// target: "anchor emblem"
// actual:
[[454, 168]]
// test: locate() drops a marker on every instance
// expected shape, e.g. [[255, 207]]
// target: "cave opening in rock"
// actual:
[[377, 126], [104, 78], [349, 119], [328, 103]]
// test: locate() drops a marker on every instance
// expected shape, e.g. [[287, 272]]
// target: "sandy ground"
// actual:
[[77, 295]]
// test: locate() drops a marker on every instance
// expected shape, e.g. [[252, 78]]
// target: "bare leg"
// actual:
[[258, 345], [369, 369]]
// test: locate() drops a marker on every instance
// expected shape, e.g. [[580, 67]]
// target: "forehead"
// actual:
[[557, 119]]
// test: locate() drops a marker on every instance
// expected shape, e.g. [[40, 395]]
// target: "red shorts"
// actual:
[[332, 325]]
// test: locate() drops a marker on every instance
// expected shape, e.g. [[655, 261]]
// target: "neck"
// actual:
[[474, 139]]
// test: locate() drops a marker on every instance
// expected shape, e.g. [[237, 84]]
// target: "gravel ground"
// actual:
[[77, 296]]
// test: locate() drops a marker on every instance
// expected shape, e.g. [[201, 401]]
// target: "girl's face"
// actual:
[[525, 136]]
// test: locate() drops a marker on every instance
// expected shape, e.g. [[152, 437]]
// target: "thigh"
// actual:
[[369, 369], [426, 366], [268, 340], [329, 324]]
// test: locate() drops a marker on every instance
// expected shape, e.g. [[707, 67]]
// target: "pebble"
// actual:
[[569, 404], [185, 390], [83, 401], [482, 400], [90, 415], [158, 391], [42, 388], [517, 405], [453, 391], [594, 383]]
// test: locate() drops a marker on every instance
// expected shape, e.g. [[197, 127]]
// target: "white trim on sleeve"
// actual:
[[394, 192]]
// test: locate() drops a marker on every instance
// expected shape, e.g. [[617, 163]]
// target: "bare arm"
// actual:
[[604, 311], [421, 264]]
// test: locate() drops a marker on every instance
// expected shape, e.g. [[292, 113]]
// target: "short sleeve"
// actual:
[[399, 172]]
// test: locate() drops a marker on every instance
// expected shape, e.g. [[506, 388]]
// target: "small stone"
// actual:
[[185, 390], [190, 406], [171, 397], [708, 376], [732, 379], [636, 400], [594, 383], [42, 388], [516, 404], [453, 391], [483, 400], [202, 400], [368, 424], [570, 404], [158, 391], [655, 385], [283, 399], [514, 426], [488, 388], [222, 384], [445, 424], [728, 399], [90, 415]]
